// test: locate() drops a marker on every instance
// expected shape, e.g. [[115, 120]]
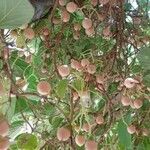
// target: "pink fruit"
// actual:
[[29, 33], [4, 143], [125, 101], [4, 127], [90, 145], [76, 65], [131, 129], [56, 21], [90, 31], [130, 83], [75, 96], [63, 70], [71, 7], [85, 62], [103, 2], [80, 140], [87, 23], [107, 32], [43, 87], [132, 105], [65, 16], [62, 2], [94, 2], [91, 69], [99, 119], [46, 32], [63, 134], [138, 103], [86, 127]]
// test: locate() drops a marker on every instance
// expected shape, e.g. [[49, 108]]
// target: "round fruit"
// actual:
[[106, 31], [85, 62], [90, 145], [94, 2], [43, 88], [63, 134], [46, 32], [86, 127], [4, 143], [75, 96], [125, 101], [76, 35], [99, 119], [71, 7], [29, 33], [80, 140], [76, 65], [138, 104], [63, 70], [131, 129], [132, 105], [103, 2], [130, 83], [62, 2], [91, 69], [87, 23], [65, 16], [90, 31], [56, 21], [4, 127]]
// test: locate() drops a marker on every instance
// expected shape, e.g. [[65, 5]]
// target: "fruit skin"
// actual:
[[4, 143], [63, 70], [125, 101], [94, 2], [130, 83], [87, 23], [4, 127], [86, 127], [43, 88], [131, 129], [65, 16], [29, 33], [80, 140], [63, 134], [99, 120], [138, 104], [71, 7], [85, 62], [91, 69], [90, 145], [62, 2]]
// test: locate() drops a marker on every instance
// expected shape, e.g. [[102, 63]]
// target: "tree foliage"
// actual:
[[79, 77]]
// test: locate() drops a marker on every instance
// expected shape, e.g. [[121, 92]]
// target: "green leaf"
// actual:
[[124, 136], [146, 80], [56, 121], [144, 58], [78, 85], [14, 13], [62, 88], [27, 141]]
